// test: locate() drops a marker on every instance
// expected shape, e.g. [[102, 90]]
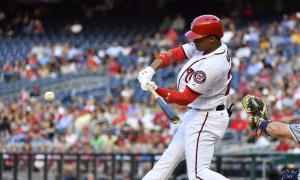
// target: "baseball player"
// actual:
[[258, 119], [203, 84]]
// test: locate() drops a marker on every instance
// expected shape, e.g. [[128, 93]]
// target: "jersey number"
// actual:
[[189, 74]]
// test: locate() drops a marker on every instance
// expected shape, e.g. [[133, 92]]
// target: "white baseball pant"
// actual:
[[194, 141]]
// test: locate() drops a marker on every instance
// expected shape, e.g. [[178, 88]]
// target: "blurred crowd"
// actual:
[[33, 125], [12, 23], [17, 21], [51, 60], [85, 125], [266, 63]]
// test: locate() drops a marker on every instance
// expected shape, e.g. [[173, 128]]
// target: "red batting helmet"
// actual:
[[205, 25]]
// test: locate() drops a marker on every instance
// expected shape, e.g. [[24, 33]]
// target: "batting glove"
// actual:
[[150, 83], [146, 75]]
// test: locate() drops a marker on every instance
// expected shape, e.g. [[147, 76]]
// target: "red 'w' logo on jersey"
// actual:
[[189, 75]]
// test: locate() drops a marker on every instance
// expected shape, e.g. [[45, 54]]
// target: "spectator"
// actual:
[[167, 23], [178, 23], [97, 142], [239, 126]]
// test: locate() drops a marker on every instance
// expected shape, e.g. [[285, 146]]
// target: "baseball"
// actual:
[[49, 96]]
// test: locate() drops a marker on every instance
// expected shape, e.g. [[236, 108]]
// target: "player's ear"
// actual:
[[212, 39]]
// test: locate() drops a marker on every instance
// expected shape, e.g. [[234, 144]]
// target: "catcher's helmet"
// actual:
[[205, 25]]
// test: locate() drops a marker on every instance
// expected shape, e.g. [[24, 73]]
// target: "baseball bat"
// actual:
[[164, 106]]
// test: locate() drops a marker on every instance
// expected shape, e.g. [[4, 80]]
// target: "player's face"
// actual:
[[202, 44]]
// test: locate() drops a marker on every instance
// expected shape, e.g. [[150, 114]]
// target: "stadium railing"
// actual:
[[251, 165], [109, 162]]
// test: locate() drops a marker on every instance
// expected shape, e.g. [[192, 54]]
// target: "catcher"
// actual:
[[258, 111]]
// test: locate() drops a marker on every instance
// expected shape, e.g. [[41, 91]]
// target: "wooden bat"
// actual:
[[165, 107]]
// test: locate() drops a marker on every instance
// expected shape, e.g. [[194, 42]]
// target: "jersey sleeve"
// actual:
[[295, 131], [189, 49], [203, 80]]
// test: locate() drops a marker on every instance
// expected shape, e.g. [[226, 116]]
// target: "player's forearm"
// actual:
[[169, 57], [172, 96], [163, 60], [181, 98], [279, 130], [157, 63]]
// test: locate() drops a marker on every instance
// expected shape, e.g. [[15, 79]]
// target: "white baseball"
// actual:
[[49, 96]]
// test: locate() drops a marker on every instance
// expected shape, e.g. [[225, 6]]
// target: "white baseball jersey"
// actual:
[[207, 74]]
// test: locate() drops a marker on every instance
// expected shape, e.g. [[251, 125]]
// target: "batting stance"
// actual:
[[258, 119], [203, 84]]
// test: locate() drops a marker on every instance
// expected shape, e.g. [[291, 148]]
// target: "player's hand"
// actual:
[[146, 75], [152, 85], [148, 83], [254, 122]]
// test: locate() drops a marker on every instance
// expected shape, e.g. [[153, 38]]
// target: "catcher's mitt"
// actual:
[[256, 108]]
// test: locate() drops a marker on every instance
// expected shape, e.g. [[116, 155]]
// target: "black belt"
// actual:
[[220, 107]]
